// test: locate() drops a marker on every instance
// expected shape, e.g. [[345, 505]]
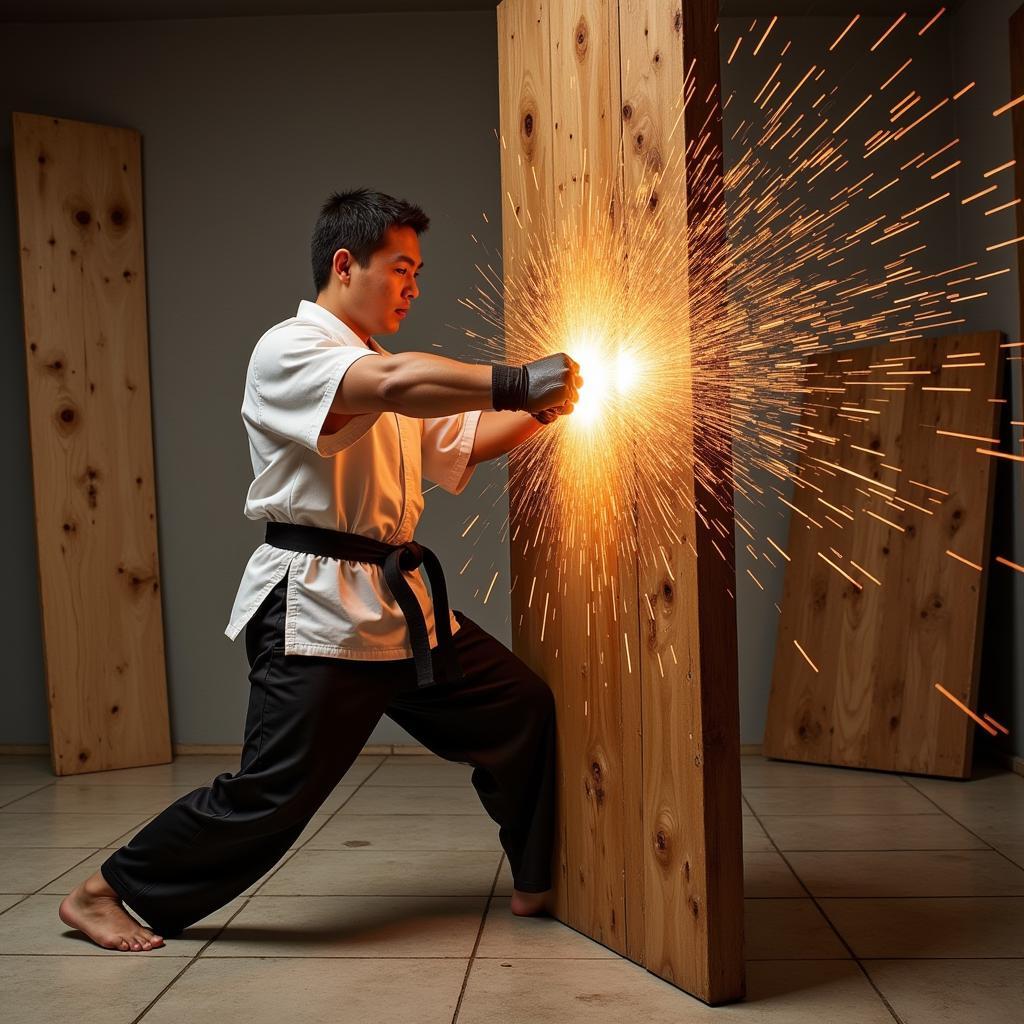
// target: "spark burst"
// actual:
[[698, 335]]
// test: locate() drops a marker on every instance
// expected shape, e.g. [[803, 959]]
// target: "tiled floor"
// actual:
[[869, 898]]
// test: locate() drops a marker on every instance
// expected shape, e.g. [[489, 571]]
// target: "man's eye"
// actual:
[[400, 270]]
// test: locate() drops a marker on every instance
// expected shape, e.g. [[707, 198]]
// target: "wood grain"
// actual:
[[880, 648], [79, 190]]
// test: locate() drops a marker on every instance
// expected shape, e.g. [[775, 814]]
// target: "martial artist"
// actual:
[[339, 625]]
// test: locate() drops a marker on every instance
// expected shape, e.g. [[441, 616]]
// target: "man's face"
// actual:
[[379, 295]]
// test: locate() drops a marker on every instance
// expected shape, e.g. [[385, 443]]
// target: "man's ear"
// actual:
[[342, 265]]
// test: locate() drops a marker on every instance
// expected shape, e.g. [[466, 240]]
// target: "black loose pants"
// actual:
[[308, 719]]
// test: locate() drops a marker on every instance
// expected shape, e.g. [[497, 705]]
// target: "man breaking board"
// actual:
[[339, 625]]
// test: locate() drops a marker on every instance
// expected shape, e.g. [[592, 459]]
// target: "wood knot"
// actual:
[[661, 840], [652, 203], [694, 904], [657, 57], [67, 415], [627, 111], [83, 756], [582, 39], [677, 22], [83, 217], [114, 710], [118, 217], [667, 592], [528, 125]]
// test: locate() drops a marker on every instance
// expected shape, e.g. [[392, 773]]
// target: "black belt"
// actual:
[[353, 547]]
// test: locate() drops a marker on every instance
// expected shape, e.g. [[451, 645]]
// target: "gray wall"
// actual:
[[247, 124]]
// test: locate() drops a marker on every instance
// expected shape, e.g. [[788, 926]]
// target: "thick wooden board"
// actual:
[[650, 849], [880, 650], [84, 292]]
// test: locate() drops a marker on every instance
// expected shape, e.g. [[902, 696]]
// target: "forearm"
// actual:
[[416, 384], [500, 432]]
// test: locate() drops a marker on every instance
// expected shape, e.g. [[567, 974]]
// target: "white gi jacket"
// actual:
[[366, 478]]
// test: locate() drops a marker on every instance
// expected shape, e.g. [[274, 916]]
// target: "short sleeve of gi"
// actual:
[[295, 376], [446, 447]]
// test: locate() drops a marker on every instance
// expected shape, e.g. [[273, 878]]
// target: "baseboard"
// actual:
[[1015, 764], [1009, 761], [371, 749]]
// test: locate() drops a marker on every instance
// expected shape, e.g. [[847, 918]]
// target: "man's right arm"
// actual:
[[417, 384]]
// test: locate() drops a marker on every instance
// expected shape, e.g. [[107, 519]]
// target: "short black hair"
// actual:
[[357, 221]]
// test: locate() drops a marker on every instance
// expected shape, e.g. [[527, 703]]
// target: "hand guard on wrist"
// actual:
[[509, 386]]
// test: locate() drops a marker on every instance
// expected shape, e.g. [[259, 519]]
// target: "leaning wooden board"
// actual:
[[879, 650], [83, 283]]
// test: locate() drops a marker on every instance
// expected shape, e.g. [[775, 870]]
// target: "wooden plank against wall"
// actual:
[[84, 294], [879, 648]]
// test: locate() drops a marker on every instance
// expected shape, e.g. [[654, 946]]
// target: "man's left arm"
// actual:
[[500, 432]]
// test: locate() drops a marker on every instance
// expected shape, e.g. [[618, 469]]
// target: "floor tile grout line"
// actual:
[[24, 796], [966, 828], [476, 944], [191, 961], [610, 957], [885, 1002]]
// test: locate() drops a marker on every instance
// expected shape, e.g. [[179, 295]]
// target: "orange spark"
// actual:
[[965, 709]]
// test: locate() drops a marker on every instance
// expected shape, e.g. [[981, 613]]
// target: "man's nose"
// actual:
[[412, 289]]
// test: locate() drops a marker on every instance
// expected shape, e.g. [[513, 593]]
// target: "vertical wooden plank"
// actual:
[[84, 294], [649, 787], [693, 872], [880, 648], [586, 173]]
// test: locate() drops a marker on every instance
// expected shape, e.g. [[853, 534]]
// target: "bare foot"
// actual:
[[95, 909], [529, 904]]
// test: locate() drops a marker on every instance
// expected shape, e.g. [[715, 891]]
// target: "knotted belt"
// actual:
[[353, 547]]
